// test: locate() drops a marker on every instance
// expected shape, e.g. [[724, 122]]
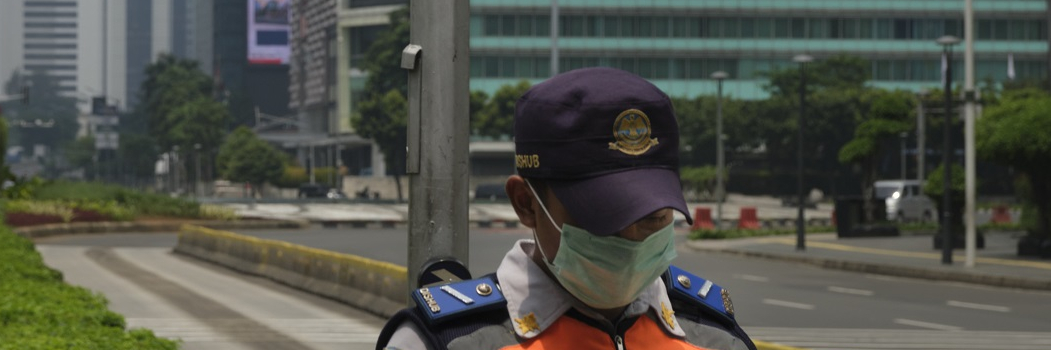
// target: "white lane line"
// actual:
[[862, 292], [928, 325], [752, 278], [790, 304], [985, 307]]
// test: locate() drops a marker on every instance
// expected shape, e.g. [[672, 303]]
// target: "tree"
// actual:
[[5, 172], [171, 83], [50, 119], [934, 187], [888, 116], [1017, 133], [381, 114], [200, 121], [476, 104], [697, 119], [138, 155], [496, 119], [246, 158], [81, 152], [238, 139], [836, 100]]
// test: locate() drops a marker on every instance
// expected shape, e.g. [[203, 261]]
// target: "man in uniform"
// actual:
[[596, 151]]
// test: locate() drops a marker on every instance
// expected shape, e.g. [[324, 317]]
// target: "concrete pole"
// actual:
[[438, 62], [720, 158], [554, 37], [969, 152], [720, 166]]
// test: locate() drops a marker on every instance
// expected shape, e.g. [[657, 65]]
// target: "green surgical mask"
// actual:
[[607, 272]]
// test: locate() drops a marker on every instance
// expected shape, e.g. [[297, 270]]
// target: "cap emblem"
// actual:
[[632, 132]]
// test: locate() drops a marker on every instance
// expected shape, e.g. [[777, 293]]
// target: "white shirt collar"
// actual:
[[535, 301]]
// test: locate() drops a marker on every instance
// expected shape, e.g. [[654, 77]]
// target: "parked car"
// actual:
[[309, 190], [905, 200], [490, 192]]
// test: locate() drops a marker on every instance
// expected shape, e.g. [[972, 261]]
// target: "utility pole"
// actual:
[[969, 151], [437, 59]]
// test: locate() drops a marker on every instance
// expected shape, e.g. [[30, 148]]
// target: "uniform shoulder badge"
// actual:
[[694, 290], [440, 303]]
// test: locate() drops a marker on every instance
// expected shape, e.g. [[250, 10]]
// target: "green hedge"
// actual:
[[139, 202], [294, 176], [742, 233], [40, 311]]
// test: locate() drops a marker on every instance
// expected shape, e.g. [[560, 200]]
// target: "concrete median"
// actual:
[[375, 286]]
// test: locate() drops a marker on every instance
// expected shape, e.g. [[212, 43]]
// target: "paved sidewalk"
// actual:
[[906, 256]]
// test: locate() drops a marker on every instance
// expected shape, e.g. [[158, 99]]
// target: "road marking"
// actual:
[[902, 338], [918, 255], [752, 278], [985, 307], [862, 292], [788, 304], [929, 325]]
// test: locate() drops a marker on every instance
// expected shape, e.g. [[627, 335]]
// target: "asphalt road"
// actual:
[[779, 302]]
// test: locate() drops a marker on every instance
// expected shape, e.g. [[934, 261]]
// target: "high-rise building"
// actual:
[[101, 47]]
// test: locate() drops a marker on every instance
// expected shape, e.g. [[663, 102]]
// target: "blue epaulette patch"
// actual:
[[449, 301], [700, 291]]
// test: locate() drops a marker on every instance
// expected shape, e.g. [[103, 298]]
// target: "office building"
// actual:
[[678, 44]]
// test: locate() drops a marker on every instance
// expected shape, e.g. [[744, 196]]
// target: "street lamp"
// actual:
[[800, 224], [719, 76], [947, 43], [921, 136], [173, 171], [197, 170], [904, 165]]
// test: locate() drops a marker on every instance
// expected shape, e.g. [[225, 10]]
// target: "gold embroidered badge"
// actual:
[[632, 131], [729, 305], [668, 315], [527, 324]]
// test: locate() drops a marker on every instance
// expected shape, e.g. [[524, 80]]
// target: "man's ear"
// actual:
[[522, 200]]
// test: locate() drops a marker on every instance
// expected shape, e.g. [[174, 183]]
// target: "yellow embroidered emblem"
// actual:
[[527, 324], [668, 315], [632, 131]]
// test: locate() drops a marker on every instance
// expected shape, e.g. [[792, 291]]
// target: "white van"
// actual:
[[905, 200]]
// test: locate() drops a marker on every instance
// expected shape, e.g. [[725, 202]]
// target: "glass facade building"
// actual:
[[679, 43]]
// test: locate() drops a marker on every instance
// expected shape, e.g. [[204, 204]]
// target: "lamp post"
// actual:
[[719, 76], [921, 137], [947, 43], [174, 171], [904, 165], [800, 224], [197, 170]]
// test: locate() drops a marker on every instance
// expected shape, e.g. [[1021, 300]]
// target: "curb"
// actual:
[[49, 230], [888, 269], [370, 285]]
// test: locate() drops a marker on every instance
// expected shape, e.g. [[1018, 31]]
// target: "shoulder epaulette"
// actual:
[[441, 303], [700, 292]]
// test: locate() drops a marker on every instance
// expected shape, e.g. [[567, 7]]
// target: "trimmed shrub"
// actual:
[[39, 311]]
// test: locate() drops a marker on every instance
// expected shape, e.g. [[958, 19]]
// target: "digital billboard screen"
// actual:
[[268, 31]]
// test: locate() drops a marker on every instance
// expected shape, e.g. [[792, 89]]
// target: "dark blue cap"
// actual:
[[606, 142]]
